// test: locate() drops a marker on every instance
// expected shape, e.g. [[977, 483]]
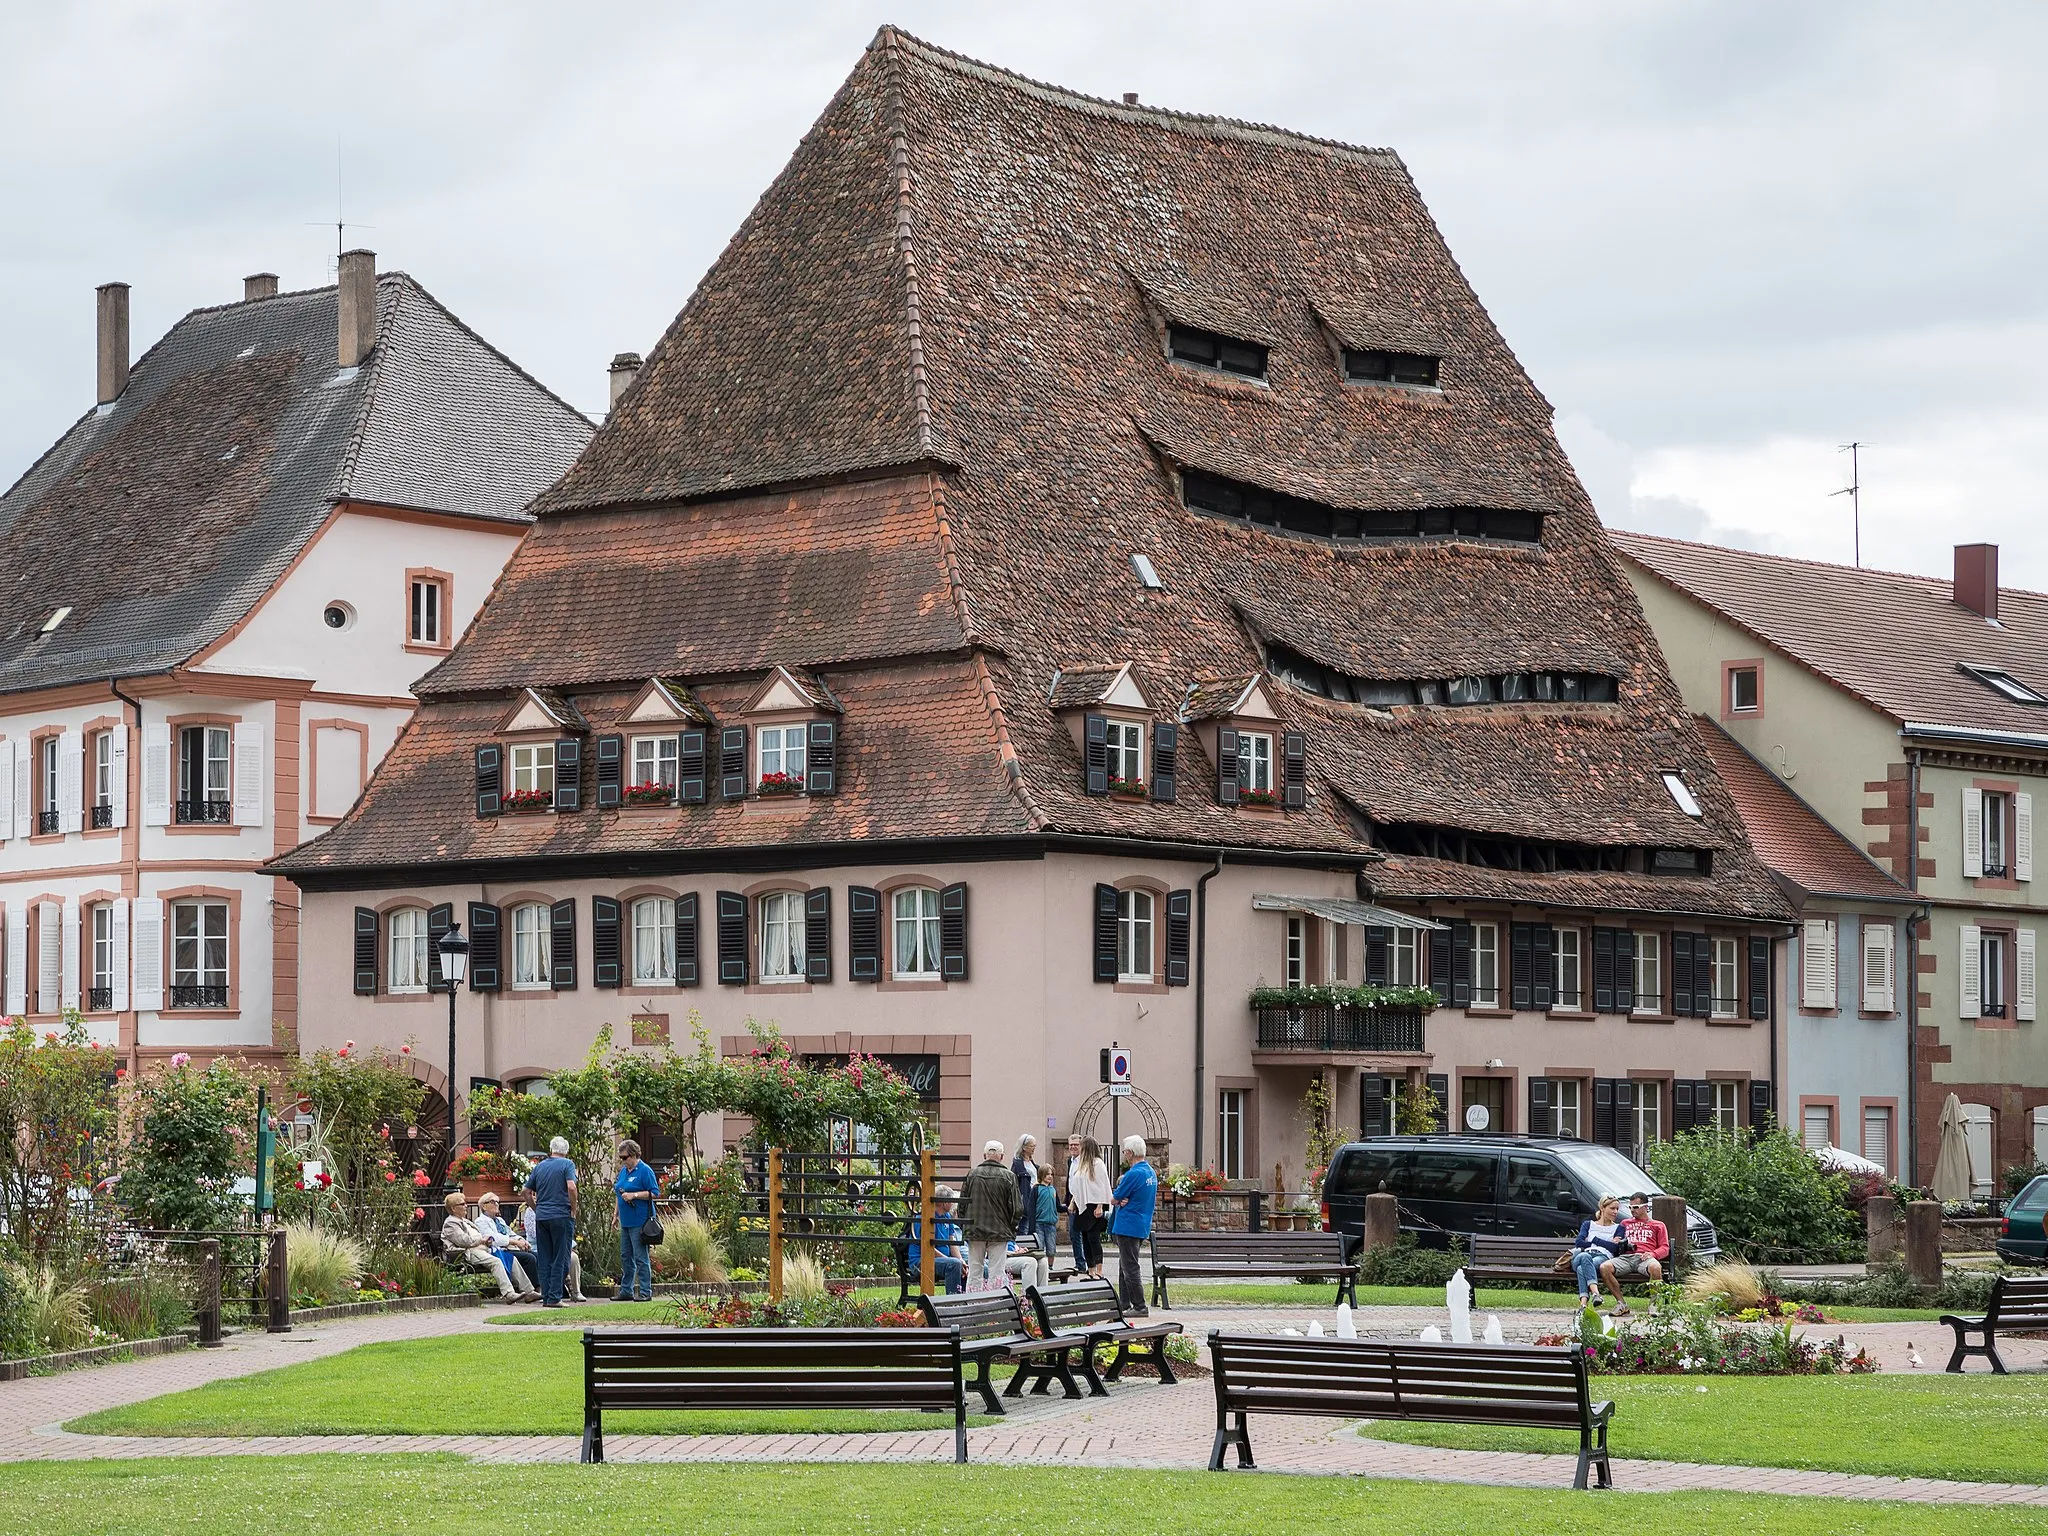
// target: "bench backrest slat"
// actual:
[[1532, 1384], [977, 1314], [771, 1367], [1248, 1247], [2019, 1301], [1082, 1304], [1517, 1252]]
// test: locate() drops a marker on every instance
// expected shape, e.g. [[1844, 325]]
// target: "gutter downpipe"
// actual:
[[1913, 967], [1201, 993]]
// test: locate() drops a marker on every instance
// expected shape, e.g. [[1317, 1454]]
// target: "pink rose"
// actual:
[[181, 1058]]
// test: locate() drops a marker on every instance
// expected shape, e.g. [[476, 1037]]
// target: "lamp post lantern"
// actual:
[[454, 950]]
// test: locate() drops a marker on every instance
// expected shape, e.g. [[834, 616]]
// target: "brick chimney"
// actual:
[[1977, 579], [625, 369], [113, 341], [259, 285], [356, 307]]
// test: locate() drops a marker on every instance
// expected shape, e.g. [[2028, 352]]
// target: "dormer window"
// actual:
[[1219, 353], [1255, 767], [1258, 763], [533, 768], [1374, 366], [780, 759], [792, 750], [1218, 496]]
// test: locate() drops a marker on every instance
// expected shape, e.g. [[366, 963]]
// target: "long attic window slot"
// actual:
[[1385, 693], [1535, 856], [1216, 496], [1216, 352], [1375, 366]]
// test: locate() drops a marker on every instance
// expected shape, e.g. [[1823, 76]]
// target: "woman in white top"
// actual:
[[1088, 1197]]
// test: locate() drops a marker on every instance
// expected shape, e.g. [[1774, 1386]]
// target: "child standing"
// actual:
[[1045, 1211]]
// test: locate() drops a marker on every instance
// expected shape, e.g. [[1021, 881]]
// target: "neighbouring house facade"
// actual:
[[1912, 713], [220, 585], [1071, 565]]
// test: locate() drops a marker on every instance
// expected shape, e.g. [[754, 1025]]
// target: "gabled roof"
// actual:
[[162, 518], [1092, 683], [1897, 642], [1795, 842]]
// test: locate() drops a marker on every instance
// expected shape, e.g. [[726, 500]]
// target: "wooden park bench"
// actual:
[[711, 1368], [991, 1328], [1534, 1386], [1238, 1255], [1531, 1260], [2017, 1305], [1086, 1313]]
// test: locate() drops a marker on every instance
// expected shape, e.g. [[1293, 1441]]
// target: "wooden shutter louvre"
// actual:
[[1379, 947], [690, 767], [1970, 973], [490, 763], [1624, 1114], [606, 967], [1878, 965], [1603, 1111], [732, 939], [1440, 964], [568, 774], [366, 952], [1603, 970], [1105, 933], [1544, 994], [1165, 761], [1226, 766], [1761, 1110], [821, 758], [1294, 770], [1681, 974], [562, 943], [1683, 1116], [1817, 963], [1095, 754], [1973, 833], [863, 933], [439, 920], [611, 772], [1461, 965], [1539, 1106], [1372, 1104], [1521, 966], [2023, 837], [818, 934], [953, 932], [1624, 971], [732, 766], [1440, 1085], [1180, 910], [2025, 976], [1759, 978], [485, 954], [687, 973]]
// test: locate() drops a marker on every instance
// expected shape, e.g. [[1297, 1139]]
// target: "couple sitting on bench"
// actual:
[[488, 1244], [1608, 1250]]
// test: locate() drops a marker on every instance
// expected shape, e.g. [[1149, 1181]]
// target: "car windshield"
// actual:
[[2033, 1198], [1606, 1172]]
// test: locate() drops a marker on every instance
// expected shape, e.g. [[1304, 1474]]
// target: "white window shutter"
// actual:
[[148, 938], [1972, 1001], [6, 790], [1817, 963], [1973, 834], [156, 775], [70, 782], [49, 956], [1879, 939], [249, 765], [2023, 837], [117, 792], [17, 961], [117, 961], [24, 800], [68, 986], [2023, 948]]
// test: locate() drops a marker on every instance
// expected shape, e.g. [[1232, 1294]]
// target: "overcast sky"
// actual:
[[1724, 237]]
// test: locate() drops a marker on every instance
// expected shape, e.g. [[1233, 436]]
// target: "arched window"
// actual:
[[654, 940], [1134, 936], [915, 920], [408, 969], [532, 949]]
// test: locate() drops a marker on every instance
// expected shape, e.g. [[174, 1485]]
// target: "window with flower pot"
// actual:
[[779, 758], [1125, 745], [654, 941], [1255, 768], [406, 972], [781, 921], [533, 771], [532, 947], [654, 768], [199, 954]]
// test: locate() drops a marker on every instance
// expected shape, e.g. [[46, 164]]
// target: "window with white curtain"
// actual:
[[654, 940], [782, 936], [407, 971], [532, 947], [914, 921]]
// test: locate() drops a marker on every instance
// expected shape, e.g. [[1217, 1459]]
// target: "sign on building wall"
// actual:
[[921, 1072]]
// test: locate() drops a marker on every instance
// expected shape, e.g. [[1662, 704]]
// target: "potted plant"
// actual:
[[774, 785], [1127, 789], [1261, 797], [650, 794], [525, 802], [482, 1173]]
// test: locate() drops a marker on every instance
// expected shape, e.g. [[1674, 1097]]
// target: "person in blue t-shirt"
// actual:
[[949, 1264], [553, 1182], [636, 1187], [1135, 1197]]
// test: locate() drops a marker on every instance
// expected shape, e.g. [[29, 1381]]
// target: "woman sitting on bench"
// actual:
[[1600, 1239], [463, 1240]]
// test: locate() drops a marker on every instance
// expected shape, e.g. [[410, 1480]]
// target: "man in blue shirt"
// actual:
[[636, 1187], [553, 1185], [949, 1268], [1130, 1223]]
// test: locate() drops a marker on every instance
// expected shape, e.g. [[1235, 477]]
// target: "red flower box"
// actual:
[[1265, 797], [773, 784], [525, 802], [650, 794]]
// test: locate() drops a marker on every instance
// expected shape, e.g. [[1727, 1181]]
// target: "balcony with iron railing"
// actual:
[[1299, 1022], [99, 999], [48, 822], [102, 817], [192, 813], [192, 995]]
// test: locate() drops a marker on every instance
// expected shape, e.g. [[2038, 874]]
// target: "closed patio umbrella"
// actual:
[[1952, 1176]]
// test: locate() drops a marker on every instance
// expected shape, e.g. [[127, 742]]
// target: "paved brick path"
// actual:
[[1143, 1424]]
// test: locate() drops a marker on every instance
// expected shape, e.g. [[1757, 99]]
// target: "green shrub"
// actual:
[[1765, 1194], [196, 1136], [1407, 1263], [55, 1315], [322, 1265], [803, 1277], [148, 1305], [689, 1250]]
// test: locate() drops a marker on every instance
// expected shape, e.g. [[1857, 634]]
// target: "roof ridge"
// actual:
[[890, 36], [906, 243], [1921, 578]]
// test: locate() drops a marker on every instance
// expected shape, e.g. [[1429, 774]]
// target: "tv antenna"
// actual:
[[1854, 491], [340, 226]]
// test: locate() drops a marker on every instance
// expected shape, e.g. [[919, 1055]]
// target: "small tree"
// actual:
[[1766, 1195], [1323, 1137], [1419, 1110], [57, 1125], [194, 1136], [356, 1097]]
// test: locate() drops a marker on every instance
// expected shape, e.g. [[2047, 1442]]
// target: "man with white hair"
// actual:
[[553, 1182], [989, 1210], [1135, 1197]]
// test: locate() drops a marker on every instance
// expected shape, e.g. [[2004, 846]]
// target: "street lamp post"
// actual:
[[454, 950]]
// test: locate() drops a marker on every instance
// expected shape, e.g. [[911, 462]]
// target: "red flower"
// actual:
[[120, 1073], [301, 1184], [390, 1177], [405, 1050], [419, 1177], [418, 1214]]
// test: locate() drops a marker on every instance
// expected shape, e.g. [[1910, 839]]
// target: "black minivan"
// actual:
[[1502, 1186]]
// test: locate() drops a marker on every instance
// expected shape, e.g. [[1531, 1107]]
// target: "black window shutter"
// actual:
[[1372, 1104], [1440, 964], [611, 771], [953, 932], [1461, 965], [1440, 1085], [1760, 1110], [1165, 760], [1603, 970], [484, 951], [732, 939], [1226, 766], [1539, 1107], [818, 934], [366, 952], [490, 797], [1105, 933], [1379, 947], [1624, 971], [863, 933], [1180, 910], [1294, 770], [1545, 938], [1702, 1102], [562, 943], [1683, 1117], [568, 774], [732, 766], [485, 1138], [686, 940], [439, 920], [690, 767], [1760, 978], [1603, 1111], [1095, 754], [1681, 974], [1624, 1114], [604, 942], [821, 762], [1522, 965]]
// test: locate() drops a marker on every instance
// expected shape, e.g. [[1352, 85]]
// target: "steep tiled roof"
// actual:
[[968, 273], [234, 439], [1792, 838], [1893, 640]]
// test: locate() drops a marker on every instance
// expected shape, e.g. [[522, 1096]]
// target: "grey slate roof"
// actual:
[[162, 519]]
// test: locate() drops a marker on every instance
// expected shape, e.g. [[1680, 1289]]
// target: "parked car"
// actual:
[[2023, 1235], [1503, 1186]]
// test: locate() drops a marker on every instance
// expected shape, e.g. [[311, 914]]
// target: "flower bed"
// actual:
[[831, 1310], [1680, 1338]]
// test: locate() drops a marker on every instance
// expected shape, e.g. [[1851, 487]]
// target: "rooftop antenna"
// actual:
[[1854, 491], [340, 227]]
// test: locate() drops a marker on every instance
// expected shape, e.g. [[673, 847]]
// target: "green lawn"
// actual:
[[1979, 1428], [424, 1496], [596, 1315], [467, 1384], [1291, 1295]]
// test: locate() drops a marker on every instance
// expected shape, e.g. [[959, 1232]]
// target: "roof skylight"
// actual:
[[1148, 578], [1682, 794], [2004, 683], [50, 624]]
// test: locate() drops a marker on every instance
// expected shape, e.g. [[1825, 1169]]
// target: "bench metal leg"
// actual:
[[1159, 1287], [1159, 1359], [1965, 1349], [1086, 1352], [1063, 1369], [1347, 1289], [1593, 1457], [960, 1436], [987, 1388], [1116, 1366], [593, 1436], [1228, 1435]]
